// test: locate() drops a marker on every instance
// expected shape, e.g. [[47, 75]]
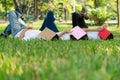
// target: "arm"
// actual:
[[64, 32], [97, 29], [91, 30], [85, 29]]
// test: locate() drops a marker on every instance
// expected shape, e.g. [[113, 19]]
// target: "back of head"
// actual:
[[110, 36]]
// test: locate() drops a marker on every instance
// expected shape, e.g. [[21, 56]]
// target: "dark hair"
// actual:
[[110, 36], [85, 37]]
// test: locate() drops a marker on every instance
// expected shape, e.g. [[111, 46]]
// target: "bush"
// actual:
[[99, 15]]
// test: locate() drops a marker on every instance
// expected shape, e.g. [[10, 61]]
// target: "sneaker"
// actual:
[[3, 35]]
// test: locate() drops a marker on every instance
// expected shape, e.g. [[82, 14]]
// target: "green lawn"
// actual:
[[60, 60]]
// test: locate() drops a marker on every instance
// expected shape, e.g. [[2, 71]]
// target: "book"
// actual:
[[104, 33], [77, 32], [47, 34]]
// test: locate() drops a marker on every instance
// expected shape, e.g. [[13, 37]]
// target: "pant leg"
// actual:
[[78, 20], [50, 25], [16, 26], [74, 19], [81, 21], [7, 30], [49, 22]]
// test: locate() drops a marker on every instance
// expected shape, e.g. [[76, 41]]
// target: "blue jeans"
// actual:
[[7, 30], [15, 26]]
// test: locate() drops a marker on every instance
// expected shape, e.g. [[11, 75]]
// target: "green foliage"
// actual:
[[98, 3], [78, 8], [8, 4], [45, 5], [99, 15]]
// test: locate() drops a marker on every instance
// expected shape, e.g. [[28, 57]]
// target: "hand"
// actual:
[[105, 25]]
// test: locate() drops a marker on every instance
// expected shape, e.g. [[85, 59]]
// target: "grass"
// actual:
[[60, 60]]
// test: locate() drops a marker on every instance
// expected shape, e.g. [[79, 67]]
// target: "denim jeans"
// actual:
[[7, 30], [15, 26]]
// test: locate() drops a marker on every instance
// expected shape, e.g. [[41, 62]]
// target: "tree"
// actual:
[[5, 11], [17, 6], [118, 12], [35, 10], [41, 7], [6, 6]]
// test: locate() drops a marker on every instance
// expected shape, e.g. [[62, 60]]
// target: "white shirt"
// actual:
[[29, 34], [34, 34], [64, 36], [93, 36]]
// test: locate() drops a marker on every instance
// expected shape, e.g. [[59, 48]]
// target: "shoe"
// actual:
[[3, 35]]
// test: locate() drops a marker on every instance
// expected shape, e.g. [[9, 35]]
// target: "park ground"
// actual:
[[60, 60]]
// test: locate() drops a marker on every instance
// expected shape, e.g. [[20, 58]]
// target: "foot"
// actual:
[[3, 35]]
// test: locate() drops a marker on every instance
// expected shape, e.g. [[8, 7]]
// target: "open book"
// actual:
[[77, 32], [104, 33], [48, 34]]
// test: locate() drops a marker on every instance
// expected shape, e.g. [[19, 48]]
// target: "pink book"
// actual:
[[77, 32]]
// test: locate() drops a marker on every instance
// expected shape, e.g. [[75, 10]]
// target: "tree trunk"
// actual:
[[118, 12], [5, 10], [17, 6], [95, 4], [35, 10], [28, 10]]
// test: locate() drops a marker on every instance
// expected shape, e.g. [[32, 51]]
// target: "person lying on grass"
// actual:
[[21, 31]]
